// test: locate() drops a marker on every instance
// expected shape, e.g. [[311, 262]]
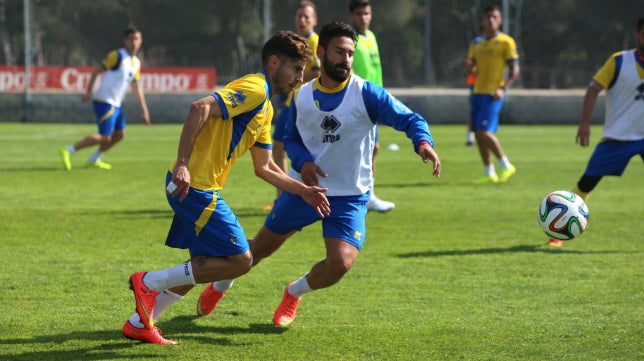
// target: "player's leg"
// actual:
[[289, 214], [344, 234]]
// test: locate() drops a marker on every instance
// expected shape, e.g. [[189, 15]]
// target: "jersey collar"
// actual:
[[268, 83]]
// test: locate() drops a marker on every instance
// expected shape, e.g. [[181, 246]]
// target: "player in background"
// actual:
[[622, 75], [329, 137], [121, 68], [218, 130], [491, 56], [306, 19], [366, 63], [470, 81]]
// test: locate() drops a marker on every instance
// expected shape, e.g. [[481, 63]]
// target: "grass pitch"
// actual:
[[456, 272]]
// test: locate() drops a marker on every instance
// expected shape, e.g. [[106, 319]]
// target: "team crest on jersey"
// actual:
[[330, 125], [236, 98], [233, 239]]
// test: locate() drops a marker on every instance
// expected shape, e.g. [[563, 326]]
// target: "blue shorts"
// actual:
[[204, 224], [108, 118], [485, 112], [611, 157], [347, 220]]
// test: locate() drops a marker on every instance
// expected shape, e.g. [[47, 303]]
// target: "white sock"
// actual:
[[223, 285], [95, 156], [505, 162], [489, 170], [179, 275], [470, 137], [372, 192], [165, 299], [300, 287], [71, 149]]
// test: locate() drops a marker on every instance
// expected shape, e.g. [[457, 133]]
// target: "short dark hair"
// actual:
[[287, 44], [492, 8], [354, 4], [334, 30], [640, 23], [131, 30]]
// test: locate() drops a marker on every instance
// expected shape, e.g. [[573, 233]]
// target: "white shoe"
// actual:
[[378, 205]]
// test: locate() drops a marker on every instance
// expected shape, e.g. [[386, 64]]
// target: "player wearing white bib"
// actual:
[[623, 137], [121, 69], [329, 137]]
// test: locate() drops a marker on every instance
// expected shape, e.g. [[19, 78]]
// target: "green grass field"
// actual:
[[456, 272]]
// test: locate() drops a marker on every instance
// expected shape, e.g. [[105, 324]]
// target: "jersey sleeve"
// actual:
[[240, 96], [606, 73], [293, 144], [111, 60], [511, 51], [384, 108]]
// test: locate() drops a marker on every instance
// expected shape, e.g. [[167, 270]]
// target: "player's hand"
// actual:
[[146, 119], [87, 97], [583, 135], [498, 94], [427, 153], [315, 197], [180, 184], [310, 172]]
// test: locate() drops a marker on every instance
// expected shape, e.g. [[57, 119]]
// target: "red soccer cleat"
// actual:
[[285, 313], [145, 335], [555, 242], [145, 298], [208, 300]]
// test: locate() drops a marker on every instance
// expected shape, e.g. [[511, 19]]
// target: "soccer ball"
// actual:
[[563, 215]]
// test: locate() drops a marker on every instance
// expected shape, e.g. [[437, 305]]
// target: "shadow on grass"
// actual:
[[180, 329], [540, 248], [34, 169]]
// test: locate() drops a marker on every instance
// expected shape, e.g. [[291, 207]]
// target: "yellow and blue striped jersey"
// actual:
[[312, 41], [492, 56], [246, 122], [122, 69], [605, 76]]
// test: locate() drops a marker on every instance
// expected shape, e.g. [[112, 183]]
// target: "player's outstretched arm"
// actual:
[[427, 154], [266, 169]]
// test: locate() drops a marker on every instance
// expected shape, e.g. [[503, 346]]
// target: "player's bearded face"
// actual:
[[336, 71]]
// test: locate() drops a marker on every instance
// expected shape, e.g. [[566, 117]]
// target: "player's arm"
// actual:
[[137, 90], [98, 69], [383, 108], [266, 169], [199, 113], [583, 132]]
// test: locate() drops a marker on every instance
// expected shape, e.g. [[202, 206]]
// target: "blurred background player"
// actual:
[[470, 81], [121, 68], [622, 75], [366, 63], [306, 19], [490, 57]]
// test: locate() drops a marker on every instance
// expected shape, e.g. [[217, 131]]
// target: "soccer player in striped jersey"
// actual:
[[622, 75], [491, 56], [330, 135], [121, 68], [218, 130]]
